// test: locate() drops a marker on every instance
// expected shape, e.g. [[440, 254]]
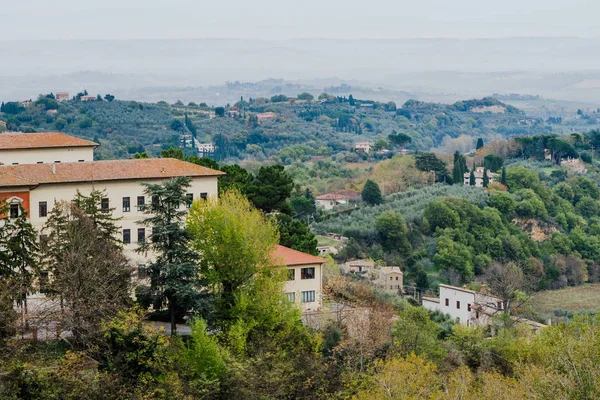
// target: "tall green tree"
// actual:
[[392, 232], [371, 194], [486, 178], [472, 180], [459, 169], [270, 189], [102, 217], [173, 274], [295, 234], [479, 144], [237, 178], [503, 177], [22, 250]]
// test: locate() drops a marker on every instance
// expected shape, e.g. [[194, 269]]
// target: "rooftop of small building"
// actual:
[[290, 257]]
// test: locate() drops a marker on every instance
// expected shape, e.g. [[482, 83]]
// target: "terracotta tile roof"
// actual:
[[96, 171], [291, 257], [331, 196], [18, 140]]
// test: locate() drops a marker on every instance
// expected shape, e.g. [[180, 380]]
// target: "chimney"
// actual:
[[54, 168]]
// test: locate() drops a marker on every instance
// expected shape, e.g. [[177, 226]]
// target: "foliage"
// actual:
[[371, 194]]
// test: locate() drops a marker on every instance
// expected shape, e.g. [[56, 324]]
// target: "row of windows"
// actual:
[[458, 305], [305, 273], [307, 296], [392, 278], [41, 162], [105, 204], [141, 235]]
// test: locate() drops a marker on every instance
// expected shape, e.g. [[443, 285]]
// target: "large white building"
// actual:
[[478, 173]]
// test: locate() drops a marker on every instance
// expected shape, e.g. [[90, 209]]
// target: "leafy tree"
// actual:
[[371, 194], [237, 178], [279, 98], [430, 163], [140, 156], [270, 189], [173, 276], [220, 111], [415, 333], [304, 206], [392, 232], [479, 144], [399, 139], [203, 161], [296, 235], [305, 96], [506, 281], [493, 162], [177, 125], [109, 97], [172, 152]]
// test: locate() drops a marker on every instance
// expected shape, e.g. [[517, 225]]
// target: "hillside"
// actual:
[[296, 130]]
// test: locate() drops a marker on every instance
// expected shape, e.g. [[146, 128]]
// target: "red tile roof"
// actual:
[[18, 140], [96, 171], [291, 257]]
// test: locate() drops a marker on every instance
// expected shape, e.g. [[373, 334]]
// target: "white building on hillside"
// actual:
[[465, 306], [391, 279], [363, 147], [41, 148]]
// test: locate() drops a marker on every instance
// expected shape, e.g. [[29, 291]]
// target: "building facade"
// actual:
[[305, 277], [479, 171], [363, 147], [466, 307], [391, 279]]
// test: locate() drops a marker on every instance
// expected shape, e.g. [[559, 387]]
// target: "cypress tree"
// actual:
[[479, 144], [503, 178], [472, 178], [486, 179]]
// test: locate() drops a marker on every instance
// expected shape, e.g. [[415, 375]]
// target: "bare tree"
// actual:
[[89, 273], [506, 281]]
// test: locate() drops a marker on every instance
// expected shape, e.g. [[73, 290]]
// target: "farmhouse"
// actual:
[[479, 171]]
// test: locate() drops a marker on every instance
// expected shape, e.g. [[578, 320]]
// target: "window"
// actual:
[[447, 303], [14, 210], [142, 273], [308, 296], [307, 273], [291, 297], [15, 163], [291, 274], [391, 287], [40, 162], [141, 235], [189, 199], [57, 162], [141, 203], [391, 278], [396, 278], [126, 236], [468, 307], [458, 305], [499, 305], [126, 204], [104, 203], [43, 208], [203, 196], [81, 160]]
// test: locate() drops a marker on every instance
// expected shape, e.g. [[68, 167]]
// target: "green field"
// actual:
[[326, 241], [585, 297]]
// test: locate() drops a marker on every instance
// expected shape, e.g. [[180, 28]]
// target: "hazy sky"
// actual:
[[285, 19]]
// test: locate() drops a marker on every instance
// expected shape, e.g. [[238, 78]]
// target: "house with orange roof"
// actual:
[[329, 201], [305, 277], [61, 96]]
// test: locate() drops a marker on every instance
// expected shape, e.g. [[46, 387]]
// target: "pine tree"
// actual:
[[101, 217], [486, 179], [22, 251], [503, 178], [173, 274], [371, 194]]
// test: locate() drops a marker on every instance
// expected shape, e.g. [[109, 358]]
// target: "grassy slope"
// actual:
[[585, 297]]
